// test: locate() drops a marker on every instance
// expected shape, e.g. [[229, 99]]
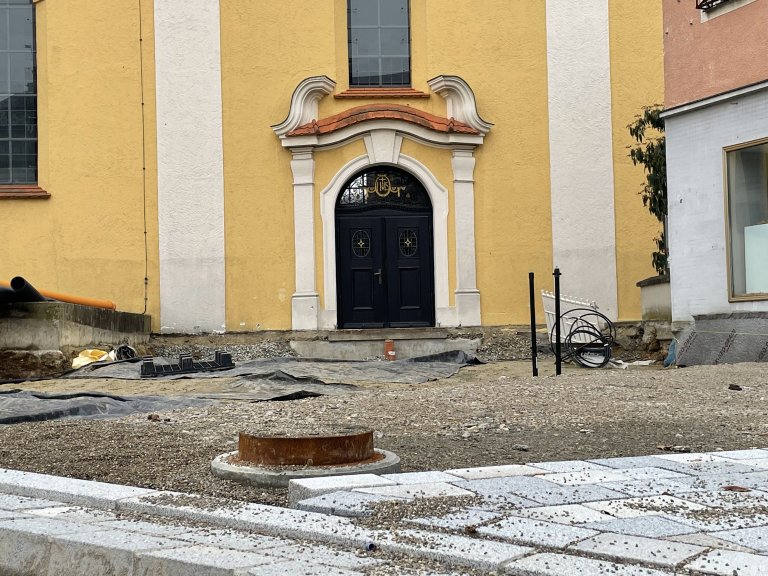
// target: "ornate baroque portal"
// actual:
[[382, 128]]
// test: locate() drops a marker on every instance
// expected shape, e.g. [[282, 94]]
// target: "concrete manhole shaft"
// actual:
[[275, 459], [351, 446]]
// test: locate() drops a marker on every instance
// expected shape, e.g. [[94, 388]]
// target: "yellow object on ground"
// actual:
[[88, 357]]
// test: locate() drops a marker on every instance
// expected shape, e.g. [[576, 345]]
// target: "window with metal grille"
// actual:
[[18, 93], [379, 43], [707, 5]]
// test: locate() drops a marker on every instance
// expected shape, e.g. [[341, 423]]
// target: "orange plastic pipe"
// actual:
[[93, 302]]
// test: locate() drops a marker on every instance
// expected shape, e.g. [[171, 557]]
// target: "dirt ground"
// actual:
[[485, 415]]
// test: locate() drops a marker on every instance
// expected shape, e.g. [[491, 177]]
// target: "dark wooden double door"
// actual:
[[385, 270]]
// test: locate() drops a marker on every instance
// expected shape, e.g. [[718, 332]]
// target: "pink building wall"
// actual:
[[704, 58]]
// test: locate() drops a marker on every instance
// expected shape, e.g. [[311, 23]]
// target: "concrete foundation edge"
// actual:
[[390, 464]]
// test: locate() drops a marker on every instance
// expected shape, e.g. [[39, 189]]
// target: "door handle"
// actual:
[[379, 275]]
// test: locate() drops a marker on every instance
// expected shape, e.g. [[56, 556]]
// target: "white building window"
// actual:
[[747, 190]]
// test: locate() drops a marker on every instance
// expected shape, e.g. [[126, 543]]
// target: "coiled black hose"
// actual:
[[589, 338]]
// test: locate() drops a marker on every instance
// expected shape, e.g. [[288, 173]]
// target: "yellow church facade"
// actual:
[[242, 166]]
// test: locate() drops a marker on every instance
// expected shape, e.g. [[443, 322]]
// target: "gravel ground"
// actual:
[[484, 415]]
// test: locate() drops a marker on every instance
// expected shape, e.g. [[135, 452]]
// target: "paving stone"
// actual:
[[112, 551], [652, 487], [757, 463], [708, 541], [723, 467], [310, 487], [567, 466], [728, 500], [232, 539], [727, 563], [6, 515], [197, 560], [565, 514], [456, 521], [319, 554], [25, 543], [562, 565], [648, 526], [298, 568], [67, 490], [628, 462], [585, 477], [149, 528], [472, 552], [73, 514], [12, 503], [496, 471], [644, 506], [536, 532], [693, 457], [651, 473], [537, 490], [410, 491], [265, 519], [755, 538], [420, 477], [715, 520], [741, 454], [651, 551], [714, 482], [342, 503]]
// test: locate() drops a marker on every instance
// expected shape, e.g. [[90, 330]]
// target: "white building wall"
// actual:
[[581, 153], [190, 166], [696, 136]]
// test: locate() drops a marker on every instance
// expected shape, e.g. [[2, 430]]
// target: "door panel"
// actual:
[[360, 249], [409, 271], [385, 271]]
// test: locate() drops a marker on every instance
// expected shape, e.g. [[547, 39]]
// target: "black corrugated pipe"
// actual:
[[7, 295], [25, 292]]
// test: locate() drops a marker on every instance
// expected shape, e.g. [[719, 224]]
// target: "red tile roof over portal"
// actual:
[[382, 112]]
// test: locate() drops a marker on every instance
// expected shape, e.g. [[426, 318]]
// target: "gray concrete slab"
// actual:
[[535, 489], [324, 555], [411, 491], [311, 487], [644, 506], [727, 563], [749, 454], [483, 472], [648, 526], [538, 533], [708, 541], [572, 514], [67, 490], [561, 565], [585, 477], [456, 521], [566, 466], [637, 549], [197, 560], [105, 552], [341, 503], [628, 462], [11, 502], [754, 538], [420, 477], [455, 550], [297, 567]]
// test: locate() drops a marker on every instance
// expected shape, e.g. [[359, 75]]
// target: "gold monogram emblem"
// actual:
[[382, 187]]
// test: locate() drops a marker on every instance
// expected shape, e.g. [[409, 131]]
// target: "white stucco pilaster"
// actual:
[[190, 169], [581, 153], [306, 301], [467, 295]]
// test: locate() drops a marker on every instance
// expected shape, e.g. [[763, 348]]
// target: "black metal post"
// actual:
[[534, 348], [558, 351]]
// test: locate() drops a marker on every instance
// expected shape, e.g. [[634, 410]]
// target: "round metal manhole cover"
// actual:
[[346, 447]]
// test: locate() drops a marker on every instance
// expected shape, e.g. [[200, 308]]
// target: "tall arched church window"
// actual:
[[379, 43], [18, 93]]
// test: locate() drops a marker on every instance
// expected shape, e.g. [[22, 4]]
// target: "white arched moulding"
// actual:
[[302, 133]]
